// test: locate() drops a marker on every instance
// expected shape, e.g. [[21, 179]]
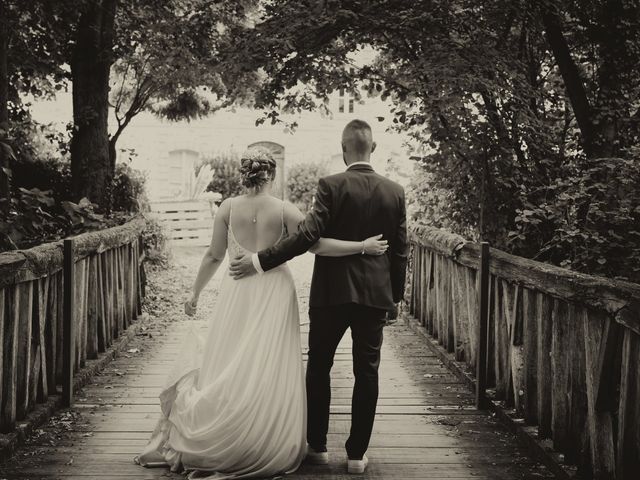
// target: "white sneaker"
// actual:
[[357, 466], [316, 458]]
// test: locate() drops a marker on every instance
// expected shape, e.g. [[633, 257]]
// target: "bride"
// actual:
[[234, 405]]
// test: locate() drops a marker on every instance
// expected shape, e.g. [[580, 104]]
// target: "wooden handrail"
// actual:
[[62, 304], [614, 296], [37, 262], [563, 347]]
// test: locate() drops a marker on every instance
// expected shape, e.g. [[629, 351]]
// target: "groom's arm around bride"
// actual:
[[352, 205]]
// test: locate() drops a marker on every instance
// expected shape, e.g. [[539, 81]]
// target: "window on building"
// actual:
[[351, 105]]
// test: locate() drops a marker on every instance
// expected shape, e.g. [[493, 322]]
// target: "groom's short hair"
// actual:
[[357, 135]]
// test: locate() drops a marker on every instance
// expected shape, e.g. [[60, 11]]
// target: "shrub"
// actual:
[[48, 175], [55, 176], [28, 219], [156, 241], [129, 194], [590, 220], [302, 182], [226, 178], [33, 217]]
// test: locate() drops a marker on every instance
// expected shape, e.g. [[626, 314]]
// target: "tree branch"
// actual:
[[570, 74]]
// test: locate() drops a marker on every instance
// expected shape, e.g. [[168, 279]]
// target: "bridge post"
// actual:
[[68, 325], [483, 322]]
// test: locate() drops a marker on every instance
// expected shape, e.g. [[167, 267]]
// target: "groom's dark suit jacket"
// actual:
[[353, 205]]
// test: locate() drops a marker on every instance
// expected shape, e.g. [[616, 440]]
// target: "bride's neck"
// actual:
[[260, 192]]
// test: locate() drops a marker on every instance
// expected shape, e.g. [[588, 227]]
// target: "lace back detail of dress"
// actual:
[[233, 247]]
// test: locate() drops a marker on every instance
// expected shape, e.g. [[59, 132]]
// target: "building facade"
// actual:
[[168, 151]]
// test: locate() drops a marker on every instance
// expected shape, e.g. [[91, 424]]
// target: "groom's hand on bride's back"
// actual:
[[392, 314], [241, 267]]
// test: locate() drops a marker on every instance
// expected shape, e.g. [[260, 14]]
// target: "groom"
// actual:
[[353, 292]]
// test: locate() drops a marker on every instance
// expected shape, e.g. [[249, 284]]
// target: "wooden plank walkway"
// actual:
[[426, 427]]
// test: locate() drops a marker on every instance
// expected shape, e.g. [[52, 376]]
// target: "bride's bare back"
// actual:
[[256, 221]]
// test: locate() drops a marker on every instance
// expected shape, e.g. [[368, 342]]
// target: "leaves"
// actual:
[[302, 182], [226, 174], [587, 219]]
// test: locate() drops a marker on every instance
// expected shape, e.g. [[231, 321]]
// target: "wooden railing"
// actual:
[[562, 348], [62, 303]]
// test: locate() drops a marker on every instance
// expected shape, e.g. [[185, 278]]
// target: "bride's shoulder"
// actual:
[[225, 208], [226, 203], [291, 212]]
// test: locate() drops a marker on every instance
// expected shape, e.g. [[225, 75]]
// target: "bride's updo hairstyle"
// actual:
[[257, 168]]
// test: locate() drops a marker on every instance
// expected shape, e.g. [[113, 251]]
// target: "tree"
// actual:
[[4, 103], [606, 34], [501, 98], [168, 58], [32, 40], [91, 59], [161, 52]]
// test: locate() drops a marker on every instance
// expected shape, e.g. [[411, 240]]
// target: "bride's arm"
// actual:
[[331, 247], [214, 255]]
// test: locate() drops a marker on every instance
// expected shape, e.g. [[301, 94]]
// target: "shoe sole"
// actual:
[[357, 470]]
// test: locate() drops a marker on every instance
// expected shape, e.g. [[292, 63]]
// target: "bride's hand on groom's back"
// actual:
[[392, 315], [375, 245]]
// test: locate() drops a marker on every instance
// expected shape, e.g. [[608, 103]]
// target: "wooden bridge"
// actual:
[[559, 353]]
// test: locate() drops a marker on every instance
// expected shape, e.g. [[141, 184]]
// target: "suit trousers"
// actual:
[[327, 327]]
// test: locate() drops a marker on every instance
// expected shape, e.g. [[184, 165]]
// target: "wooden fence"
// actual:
[[188, 222], [562, 348], [106, 274]]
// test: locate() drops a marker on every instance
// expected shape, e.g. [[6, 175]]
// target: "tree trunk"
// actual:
[[91, 169], [570, 75], [5, 181], [600, 122]]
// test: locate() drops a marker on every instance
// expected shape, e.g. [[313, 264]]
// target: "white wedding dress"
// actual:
[[234, 405]]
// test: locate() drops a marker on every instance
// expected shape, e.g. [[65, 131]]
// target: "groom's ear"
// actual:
[[373, 146], [344, 149]]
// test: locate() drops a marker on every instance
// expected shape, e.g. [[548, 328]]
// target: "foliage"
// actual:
[[37, 46], [302, 182], [34, 217], [54, 175], [27, 217], [428, 205], [129, 189], [499, 98], [590, 220], [39, 209], [164, 58], [226, 174], [198, 182], [48, 175], [167, 59], [155, 239]]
